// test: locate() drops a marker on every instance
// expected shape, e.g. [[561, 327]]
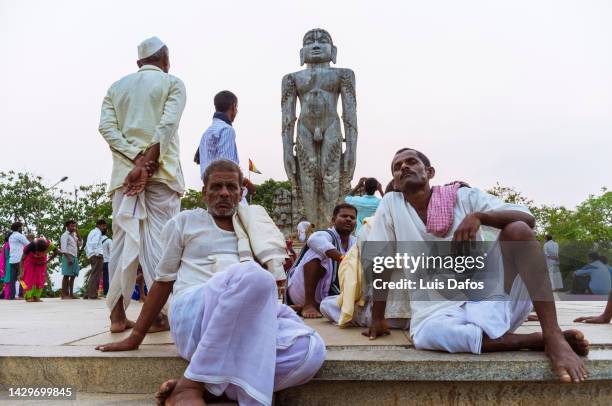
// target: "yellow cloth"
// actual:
[[140, 110], [349, 276]]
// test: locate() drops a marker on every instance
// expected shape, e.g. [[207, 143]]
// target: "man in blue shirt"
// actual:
[[219, 140], [599, 275], [606, 316], [368, 203]]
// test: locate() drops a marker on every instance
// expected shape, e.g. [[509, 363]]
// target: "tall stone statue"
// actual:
[[315, 161]]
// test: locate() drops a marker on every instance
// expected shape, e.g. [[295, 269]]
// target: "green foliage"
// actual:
[[586, 228], [192, 199], [265, 193]]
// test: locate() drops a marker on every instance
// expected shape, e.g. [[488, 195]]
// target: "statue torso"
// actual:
[[318, 90]]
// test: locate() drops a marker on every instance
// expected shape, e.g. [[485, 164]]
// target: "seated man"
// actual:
[[481, 326], [351, 307], [598, 274], [315, 274], [225, 317]]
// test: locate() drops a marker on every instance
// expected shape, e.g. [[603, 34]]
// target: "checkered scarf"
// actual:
[[440, 209]]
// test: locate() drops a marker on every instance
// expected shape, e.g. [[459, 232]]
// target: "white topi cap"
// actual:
[[149, 46]]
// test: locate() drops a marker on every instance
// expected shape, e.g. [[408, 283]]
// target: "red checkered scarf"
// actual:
[[441, 208]]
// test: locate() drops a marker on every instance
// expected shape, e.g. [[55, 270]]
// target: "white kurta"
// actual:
[[139, 110], [223, 309], [551, 249], [397, 220], [302, 228]]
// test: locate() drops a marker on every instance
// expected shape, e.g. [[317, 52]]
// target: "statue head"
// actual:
[[317, 47]]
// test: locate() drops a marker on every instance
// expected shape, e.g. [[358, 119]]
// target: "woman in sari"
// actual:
[[34, 269]]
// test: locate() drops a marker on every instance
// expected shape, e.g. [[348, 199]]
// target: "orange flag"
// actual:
[[252, 167]]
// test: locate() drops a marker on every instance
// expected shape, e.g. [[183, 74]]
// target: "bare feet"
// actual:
[[296, 308], [561, 350], [121, 325], [160, 324], [310, 312], [533, 317], [577, 341], [181, 392], [164, 391]]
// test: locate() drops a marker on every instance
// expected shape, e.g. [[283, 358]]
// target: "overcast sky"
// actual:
[[518, 92]]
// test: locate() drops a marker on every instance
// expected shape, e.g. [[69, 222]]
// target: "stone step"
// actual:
[[99, 399], [53, 344], [349, 376]]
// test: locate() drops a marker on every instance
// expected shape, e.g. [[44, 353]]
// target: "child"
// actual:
[[34, 269]]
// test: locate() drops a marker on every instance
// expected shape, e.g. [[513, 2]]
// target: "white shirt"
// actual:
[[397, 220], [69, 244], [195, 248], [551, 249], [107, 246], [139, 110], [94, 243], [17, 241], [302, 227]]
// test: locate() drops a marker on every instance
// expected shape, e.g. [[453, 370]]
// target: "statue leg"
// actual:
[[331, 153], [307, 176]]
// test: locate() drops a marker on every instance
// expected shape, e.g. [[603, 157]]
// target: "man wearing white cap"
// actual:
[[139, 120]]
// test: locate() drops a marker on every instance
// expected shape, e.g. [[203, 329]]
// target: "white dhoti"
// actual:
[[556, 280], [239, 340], [362, 316], [137, 225], [461, 328]]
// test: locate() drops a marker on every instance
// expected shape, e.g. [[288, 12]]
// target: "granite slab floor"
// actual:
[[77, 326]]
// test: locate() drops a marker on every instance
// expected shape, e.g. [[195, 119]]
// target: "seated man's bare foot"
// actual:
[[160, 324], [533, 317], [121, 325], [577, 341], [164, 391], [565, 362], [310, 312], [181, 392], [296, 308]]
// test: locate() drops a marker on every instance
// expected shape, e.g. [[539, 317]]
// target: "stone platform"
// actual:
[[52, 344]]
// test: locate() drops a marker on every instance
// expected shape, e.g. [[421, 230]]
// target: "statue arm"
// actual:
[[349, 118], [288, 106]]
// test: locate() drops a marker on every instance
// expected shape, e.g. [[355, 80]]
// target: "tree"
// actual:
[[265, 193], [192, 199], [580, 231]]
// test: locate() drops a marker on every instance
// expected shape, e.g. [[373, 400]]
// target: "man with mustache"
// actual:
[[485, 325], [225, 317], [315, 275]]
